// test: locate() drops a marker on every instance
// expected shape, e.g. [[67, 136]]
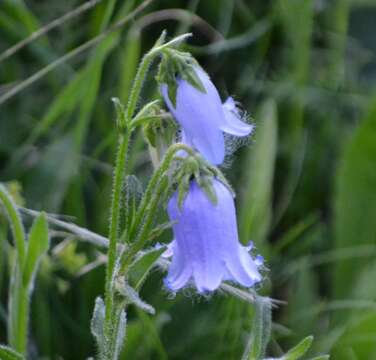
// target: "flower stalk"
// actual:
[[119, 174]]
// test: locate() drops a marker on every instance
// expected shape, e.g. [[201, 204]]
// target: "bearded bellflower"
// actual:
[[206, 249], [202, 116]]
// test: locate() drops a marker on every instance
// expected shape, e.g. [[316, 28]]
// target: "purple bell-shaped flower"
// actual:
[[203, 118], [206, 249]]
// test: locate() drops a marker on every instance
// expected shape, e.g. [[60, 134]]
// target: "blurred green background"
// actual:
[[303, 69]]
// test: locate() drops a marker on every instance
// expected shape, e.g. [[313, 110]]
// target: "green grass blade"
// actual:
[[355, 201], [255, 213], [7, 353]]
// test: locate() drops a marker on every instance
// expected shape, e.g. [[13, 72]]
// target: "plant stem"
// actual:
[[138, 82], [119, 175]]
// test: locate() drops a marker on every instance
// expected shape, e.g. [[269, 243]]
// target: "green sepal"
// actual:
[[189, 74], [198, 169], [206, 185], [161, 40], [172, 89], [160, 130], [176, 64], [150, 135], [183, 188]]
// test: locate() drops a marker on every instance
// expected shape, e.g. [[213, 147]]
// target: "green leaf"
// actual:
[[255, 211], [37, 245], [15, 221], [141, 267], [321, 357], [355, 203], [63, 104], [358, 337], [46, 174], [120, 334], [7, 353], [93, 76], [97, 324], [131, 296], [133, 193], [261, 329], [299, 350]]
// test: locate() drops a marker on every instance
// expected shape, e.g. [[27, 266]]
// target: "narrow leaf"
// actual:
[[120, 335], [299, 350], [131, 296], [142, 266], [97, 322], [37, 245], [261, 329], [15, 222], [355, 204]]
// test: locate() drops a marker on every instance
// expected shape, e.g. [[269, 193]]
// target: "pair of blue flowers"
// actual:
[[206, 249]]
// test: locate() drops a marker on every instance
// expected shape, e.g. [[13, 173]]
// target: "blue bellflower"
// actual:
[[206, 249], [203, 117]]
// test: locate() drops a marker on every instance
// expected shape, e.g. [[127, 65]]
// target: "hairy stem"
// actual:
[[138, 82], [119, 175]]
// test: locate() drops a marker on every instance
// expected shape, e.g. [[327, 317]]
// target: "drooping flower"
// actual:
[[203, 117], [206, 249]]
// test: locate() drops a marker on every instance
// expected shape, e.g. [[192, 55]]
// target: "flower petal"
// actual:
[[232, 123], [206, 248], [179, 271], [199, 114], [195, 239]]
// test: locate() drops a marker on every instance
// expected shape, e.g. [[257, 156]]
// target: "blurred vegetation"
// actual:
[[306, 183]]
